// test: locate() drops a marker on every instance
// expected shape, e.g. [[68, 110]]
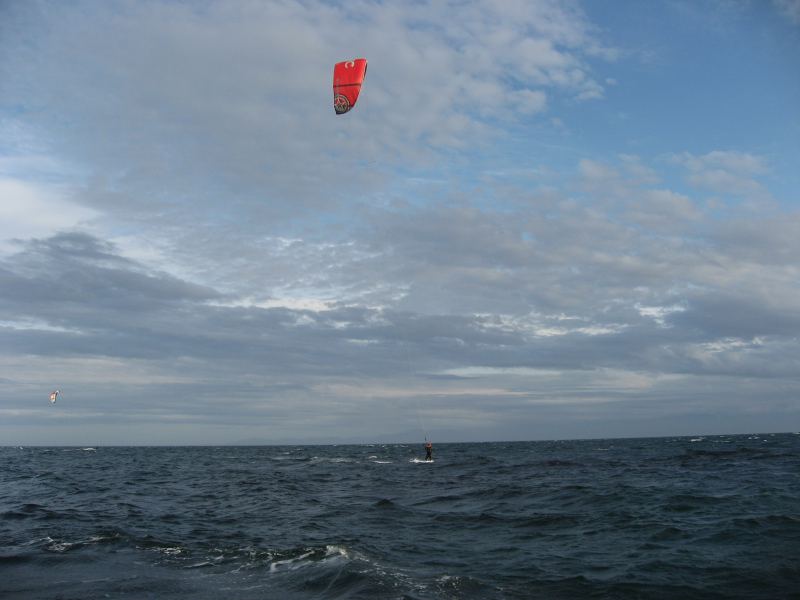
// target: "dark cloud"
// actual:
[[738, 314], [74, 276]]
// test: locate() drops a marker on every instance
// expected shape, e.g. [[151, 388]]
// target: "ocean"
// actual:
[[703, 517]]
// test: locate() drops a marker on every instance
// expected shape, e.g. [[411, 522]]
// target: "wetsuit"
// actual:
[[428, 451]]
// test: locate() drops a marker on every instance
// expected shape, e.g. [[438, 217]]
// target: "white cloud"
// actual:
[[741, 163], [250, 83], [528, 101], [658, 313], [637, 171], [30, 210], [663, 210], [727, 172]]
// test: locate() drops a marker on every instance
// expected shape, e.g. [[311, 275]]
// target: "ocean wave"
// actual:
[[60, 546], [645, 518]]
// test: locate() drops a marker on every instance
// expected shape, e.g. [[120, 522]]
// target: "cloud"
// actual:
[[769, 244], [789, 9], [727, 172], [169, 350], [234, 98], [29, 209], [529, 101], [77, 283], [664, 210], [203, 248]]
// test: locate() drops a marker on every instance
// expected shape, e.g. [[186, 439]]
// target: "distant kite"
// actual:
[[54, 396], [347, 79]]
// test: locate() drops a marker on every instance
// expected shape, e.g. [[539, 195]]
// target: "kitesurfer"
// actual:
[[428, 450]]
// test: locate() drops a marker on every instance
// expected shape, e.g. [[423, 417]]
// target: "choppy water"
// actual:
[[715, 517]]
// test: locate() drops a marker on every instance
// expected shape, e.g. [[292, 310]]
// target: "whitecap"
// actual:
[[290, 563], [332, 553], [45, 540], [335, 459], [60, 546], [332, 550]]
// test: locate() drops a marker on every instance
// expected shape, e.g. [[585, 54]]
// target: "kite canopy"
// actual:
[[54, 396], [347, 79]]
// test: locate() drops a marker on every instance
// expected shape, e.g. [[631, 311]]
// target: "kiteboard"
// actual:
[[420, 461]]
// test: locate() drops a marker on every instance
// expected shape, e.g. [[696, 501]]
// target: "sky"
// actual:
[[542, 220]]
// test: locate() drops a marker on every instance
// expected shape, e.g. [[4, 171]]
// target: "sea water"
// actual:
[[703, 517]]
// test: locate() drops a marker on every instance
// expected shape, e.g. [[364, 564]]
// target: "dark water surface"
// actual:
[[715, 517]]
